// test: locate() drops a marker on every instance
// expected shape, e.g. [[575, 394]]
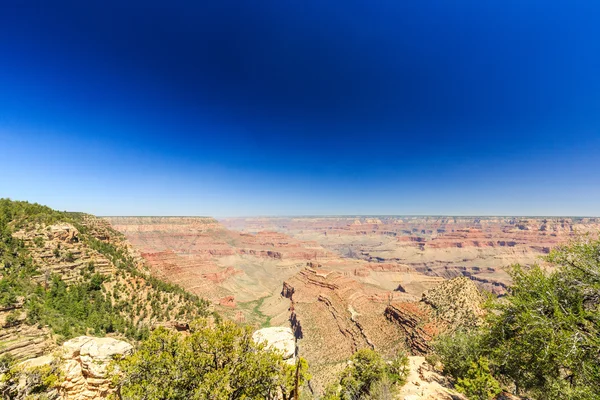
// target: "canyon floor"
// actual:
[[343, 283]]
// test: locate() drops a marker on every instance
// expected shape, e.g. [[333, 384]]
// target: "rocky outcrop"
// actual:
[[64, 249], [79, 369], [416, 322], [23, 341], [456, 301], [279, 338], [207, 259], [64, 233], [85, 363], [451, 305], [334, 315], [227, 301], [57, 249]]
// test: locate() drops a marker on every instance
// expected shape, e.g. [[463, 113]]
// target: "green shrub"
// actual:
[[542, 338], [478, 383], [216, 361], [69, 257], [398, 369], [457, 351], [369, 376], [8, 295], [38, 241], [366, 368]]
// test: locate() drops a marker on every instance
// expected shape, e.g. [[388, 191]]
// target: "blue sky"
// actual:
[[290, 108]]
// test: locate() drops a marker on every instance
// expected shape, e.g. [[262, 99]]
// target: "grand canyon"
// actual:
[[343, 283], [297, 200]]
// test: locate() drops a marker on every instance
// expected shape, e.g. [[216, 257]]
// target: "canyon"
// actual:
[[477, 247], [345, 283]]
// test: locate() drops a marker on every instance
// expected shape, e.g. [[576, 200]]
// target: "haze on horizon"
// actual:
[[302, 108]]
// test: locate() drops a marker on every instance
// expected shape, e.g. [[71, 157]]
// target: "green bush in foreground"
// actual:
[[478, 383], [543, 339], [457, 351], [218, 360], [369, 376]]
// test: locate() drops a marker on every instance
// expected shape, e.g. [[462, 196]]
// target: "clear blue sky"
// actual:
[[302, 107]]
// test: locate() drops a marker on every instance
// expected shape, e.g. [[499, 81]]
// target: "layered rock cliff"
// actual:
[[333, 315]]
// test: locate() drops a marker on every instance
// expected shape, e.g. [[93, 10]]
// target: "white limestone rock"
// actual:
[[280, 338]]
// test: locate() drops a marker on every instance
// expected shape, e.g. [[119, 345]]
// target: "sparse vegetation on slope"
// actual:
[[58, 282]]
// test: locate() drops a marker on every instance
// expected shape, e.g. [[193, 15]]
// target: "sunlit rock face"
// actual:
[[278, 338], [83, 364], [86, 360]]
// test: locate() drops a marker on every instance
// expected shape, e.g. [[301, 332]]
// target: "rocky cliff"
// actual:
[[451, 305], [233, 269], [333, 315]]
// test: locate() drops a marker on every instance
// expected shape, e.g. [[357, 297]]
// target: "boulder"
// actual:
[[279, 338]]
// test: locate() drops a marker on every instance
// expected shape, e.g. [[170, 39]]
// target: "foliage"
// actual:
[[79, 309], [17, 380], [369, 376], [8, 295], [543, 338], [398, 369], [218, 360], [12, 319], [383, 389], [6, 360], [478, 383], [366, 367], [457, 351], [546, 337]]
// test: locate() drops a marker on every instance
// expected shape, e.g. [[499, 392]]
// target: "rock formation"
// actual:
[[333, 315], [279, 338], [417, 323], [233, 269], [451, 305], [424, 383], [80, 366], [85, 362], [457, 301], [59, 249]]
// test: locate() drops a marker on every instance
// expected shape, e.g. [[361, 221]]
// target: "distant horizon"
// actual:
[[349, 216], [313, 215], [302, 108]]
